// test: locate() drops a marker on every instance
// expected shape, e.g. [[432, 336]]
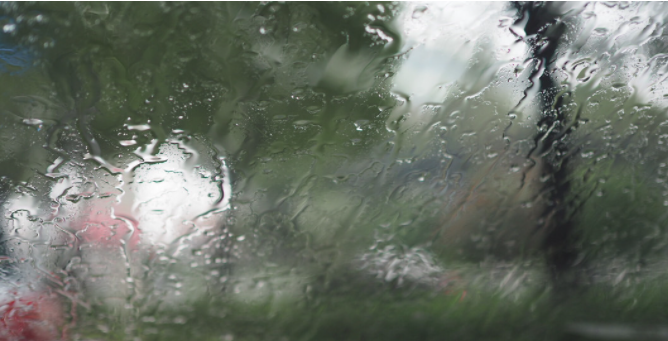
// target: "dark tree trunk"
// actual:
[[543, 31]]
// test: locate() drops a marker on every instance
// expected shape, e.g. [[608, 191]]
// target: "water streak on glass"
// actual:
[[333, 171]]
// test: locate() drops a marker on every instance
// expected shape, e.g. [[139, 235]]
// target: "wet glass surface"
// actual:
[[333, 171]]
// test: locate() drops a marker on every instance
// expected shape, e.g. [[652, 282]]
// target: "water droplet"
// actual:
[[419, 11], [32, 121], [361, 124], [126, 143], [601, 31], [138, 127]]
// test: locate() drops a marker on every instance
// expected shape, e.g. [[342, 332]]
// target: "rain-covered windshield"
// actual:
[[333, 171]]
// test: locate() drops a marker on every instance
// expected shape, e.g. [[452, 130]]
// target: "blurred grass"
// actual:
[[461, 314]]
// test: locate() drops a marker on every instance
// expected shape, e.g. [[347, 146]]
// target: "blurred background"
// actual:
[[333, 171]]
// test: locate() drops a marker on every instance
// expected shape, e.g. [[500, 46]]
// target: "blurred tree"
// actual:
[[544, 30]]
